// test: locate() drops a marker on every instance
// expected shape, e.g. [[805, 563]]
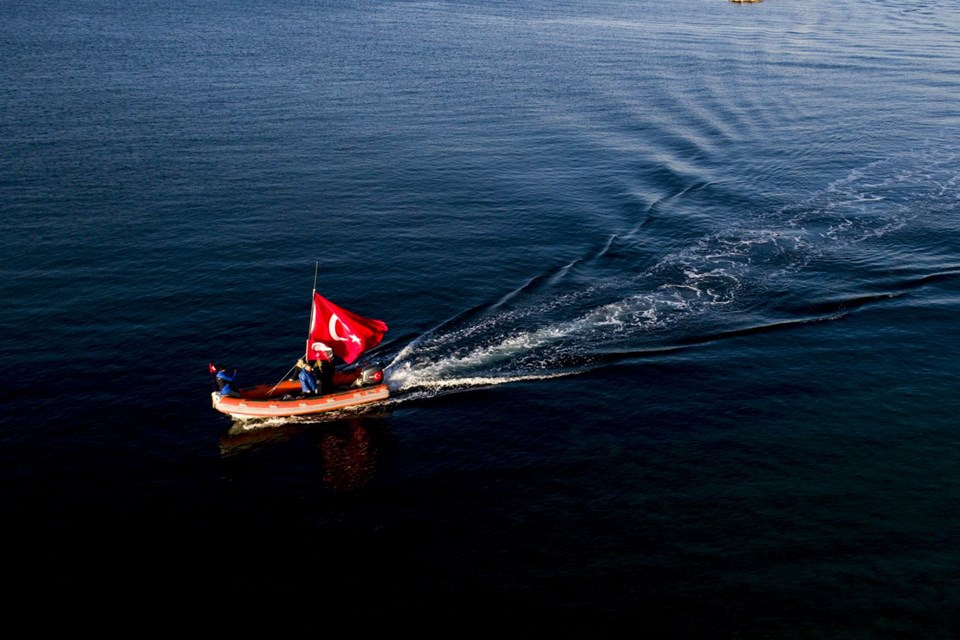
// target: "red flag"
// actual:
[[348, 334]]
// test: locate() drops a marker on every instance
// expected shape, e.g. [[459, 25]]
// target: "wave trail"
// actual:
[[810, 261]]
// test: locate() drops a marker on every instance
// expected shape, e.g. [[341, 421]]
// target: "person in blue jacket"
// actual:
[[308, 384], [224, 380]]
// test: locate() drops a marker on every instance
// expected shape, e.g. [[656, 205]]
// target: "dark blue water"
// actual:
[[671, 290]]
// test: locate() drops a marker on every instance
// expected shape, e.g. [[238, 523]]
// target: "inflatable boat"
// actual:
[[285, 399], [334, 332]]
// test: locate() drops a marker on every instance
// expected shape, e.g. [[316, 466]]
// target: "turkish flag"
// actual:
[[347, 333]]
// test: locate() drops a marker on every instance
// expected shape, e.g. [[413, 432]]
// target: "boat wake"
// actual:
[[618, 304]]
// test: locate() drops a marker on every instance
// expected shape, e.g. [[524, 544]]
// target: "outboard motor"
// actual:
[[369, 375]]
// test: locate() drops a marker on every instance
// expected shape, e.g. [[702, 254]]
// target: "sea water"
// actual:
[[671, 289]]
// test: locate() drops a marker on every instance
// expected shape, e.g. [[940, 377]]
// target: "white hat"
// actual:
[[322, 346]]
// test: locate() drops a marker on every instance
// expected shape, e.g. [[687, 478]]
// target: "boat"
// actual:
[[285, 400], [333, 330]]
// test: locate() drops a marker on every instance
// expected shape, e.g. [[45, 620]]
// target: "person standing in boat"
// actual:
[[308, 384], [224, 380], [324, 368]]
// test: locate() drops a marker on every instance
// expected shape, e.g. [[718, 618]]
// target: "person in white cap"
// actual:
[[324, 368]]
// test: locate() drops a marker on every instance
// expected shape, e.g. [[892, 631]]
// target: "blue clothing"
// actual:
[[307, 382], [223, 381]]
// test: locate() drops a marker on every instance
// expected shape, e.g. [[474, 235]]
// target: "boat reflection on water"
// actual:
[[350, 448]]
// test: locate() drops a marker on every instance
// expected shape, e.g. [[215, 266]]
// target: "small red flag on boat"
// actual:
[[347, 333]]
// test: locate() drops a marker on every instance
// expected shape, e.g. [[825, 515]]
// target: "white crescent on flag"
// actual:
[[332, 328]]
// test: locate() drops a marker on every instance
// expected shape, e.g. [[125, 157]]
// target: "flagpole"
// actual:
[[306, 349]]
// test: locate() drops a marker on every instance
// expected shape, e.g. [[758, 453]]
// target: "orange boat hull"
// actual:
[[284, 400]]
